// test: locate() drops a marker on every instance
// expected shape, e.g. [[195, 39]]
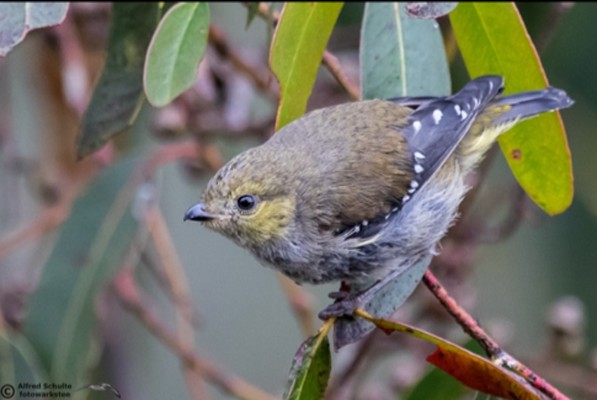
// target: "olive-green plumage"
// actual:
[[353, 191]]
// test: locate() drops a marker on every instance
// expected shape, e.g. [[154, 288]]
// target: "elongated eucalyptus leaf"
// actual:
[[493, 40], [61, 322], [401, 56], [118, 96], [310, 369], [299, 41]]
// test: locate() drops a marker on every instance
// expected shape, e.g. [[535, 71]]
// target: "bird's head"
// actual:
[[248, 200]]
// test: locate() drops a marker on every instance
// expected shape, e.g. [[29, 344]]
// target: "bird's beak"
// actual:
[[199, 213]]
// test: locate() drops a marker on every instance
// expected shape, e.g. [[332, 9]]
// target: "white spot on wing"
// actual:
[[411, 190], [414, 184], [457, 109], [417, 125], [418, 168], [463, 115], [405, 199], [419, 155], [437, 116]]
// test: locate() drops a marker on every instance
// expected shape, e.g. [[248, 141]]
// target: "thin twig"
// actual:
[[353, 366], [52, 217], [301, 303], [187, 150], [49, 219], [176, 279], [552, 21], [218, 39], [492, 349], [129, 295], [333, 65], [330, 61]]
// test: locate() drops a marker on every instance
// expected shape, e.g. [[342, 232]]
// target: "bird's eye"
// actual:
[[246, 202]]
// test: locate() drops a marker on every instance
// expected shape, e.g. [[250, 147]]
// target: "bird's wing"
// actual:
[[437, 127], [433, 132], [413, 101]]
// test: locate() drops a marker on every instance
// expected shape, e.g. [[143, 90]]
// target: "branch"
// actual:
[[218, 39], [301, 303], [49, 219], [329, 60], [492, 349], [129, 296], [333, 65], [177, 284]]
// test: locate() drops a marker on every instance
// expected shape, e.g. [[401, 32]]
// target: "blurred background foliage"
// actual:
[[534, 289]]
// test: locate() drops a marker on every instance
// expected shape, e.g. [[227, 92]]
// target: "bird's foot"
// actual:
[[339, 295], [344, 305], [341, 308]]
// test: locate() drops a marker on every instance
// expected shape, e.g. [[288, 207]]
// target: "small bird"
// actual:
[[355, 191]]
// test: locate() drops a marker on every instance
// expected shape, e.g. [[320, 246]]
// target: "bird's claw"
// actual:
[[339, 295], [343, 307]]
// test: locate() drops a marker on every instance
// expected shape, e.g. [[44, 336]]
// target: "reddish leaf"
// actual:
[[480, 374]]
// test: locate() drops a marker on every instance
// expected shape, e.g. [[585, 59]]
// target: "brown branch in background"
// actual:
[[63, 196], [479, 177], [333, 65], [352, 367], [218, 39], [471, 231], [49, 219], [129, 295], [556, 12], [301, 303], [502, 230], [187, 150], [260, 130], [329, 60], [492, 349], [179, 290]]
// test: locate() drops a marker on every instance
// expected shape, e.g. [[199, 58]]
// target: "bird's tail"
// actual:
[[529, 104], [504, 112]]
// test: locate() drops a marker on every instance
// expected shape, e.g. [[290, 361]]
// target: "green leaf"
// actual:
[[118, 96], [18, 360], [401, 56], [176, 49], [300, 39], [437, 385], [18, 19], [252, 8], [61, 322], [310, 369], [493, 40]]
